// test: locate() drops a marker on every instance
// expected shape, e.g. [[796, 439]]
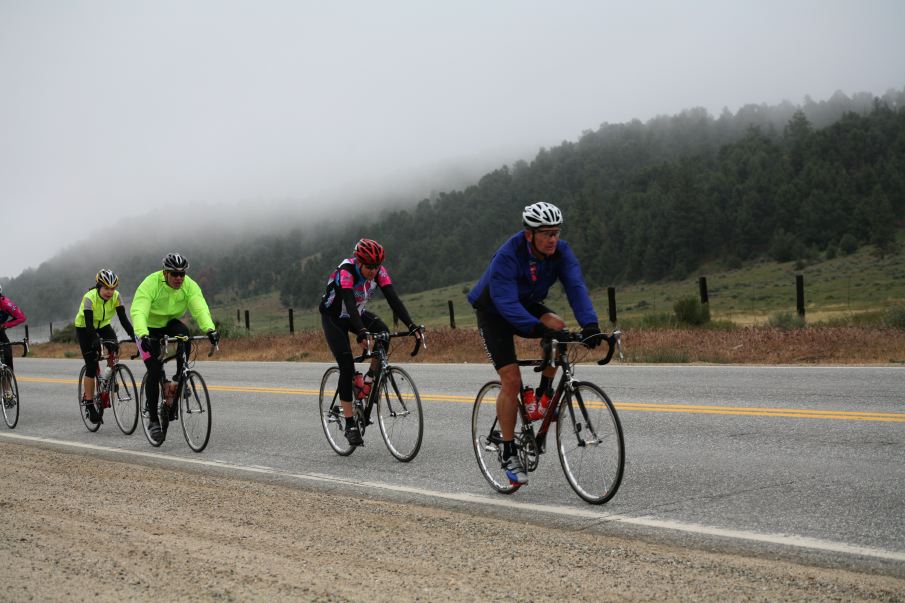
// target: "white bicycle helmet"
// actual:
[[107, 278], [541, 214], [175, 262]]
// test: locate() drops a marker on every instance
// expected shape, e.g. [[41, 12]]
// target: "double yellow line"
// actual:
[[795, 413]]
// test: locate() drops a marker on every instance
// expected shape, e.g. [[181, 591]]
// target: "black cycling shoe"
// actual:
[[91, 410], [354, 435], [156, 432], [174, 411]]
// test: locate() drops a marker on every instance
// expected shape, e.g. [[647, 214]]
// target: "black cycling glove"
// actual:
[[590, 334], [362, 335], [214, 337]]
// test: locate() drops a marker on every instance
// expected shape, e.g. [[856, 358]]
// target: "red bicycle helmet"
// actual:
[[369, 252]]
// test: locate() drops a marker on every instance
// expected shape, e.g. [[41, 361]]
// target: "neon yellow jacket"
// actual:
[[155, 304], [103, 310]]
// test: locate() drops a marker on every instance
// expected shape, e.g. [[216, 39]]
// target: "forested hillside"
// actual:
[[641, 201]]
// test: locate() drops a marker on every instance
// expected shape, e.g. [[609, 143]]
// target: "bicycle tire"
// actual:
[[399, 414], [124, 398], [331, 412], [593, 465], [486, 439], [143, 410], [194, 410], [83, 405], [10, 405]]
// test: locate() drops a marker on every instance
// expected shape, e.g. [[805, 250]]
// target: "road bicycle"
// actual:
[[116, 389], [393, 392], [9, 387], [193, 404], [588, 432]]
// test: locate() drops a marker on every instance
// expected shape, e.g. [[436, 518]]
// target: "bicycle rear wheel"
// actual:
[[194, 410], [10, 394], [124, 398], [143, 409], [83, 405], [332, 413], [487, 440], [399, 414], [590, 443]]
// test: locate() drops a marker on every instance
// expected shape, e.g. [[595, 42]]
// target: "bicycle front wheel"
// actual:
[[399, 414], [332, 413], [124, 398], [487, 440], [194, 410], [83, 404], [10, 392], [590, 443]]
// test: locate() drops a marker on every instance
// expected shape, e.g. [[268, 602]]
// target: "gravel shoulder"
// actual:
[[78, 527]]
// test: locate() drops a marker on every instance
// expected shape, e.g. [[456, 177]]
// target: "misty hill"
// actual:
[[642, 201]]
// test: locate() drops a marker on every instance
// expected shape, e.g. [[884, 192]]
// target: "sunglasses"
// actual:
[[177, 274], [371, 266]]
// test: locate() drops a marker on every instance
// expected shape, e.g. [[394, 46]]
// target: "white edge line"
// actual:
[[570, 512]]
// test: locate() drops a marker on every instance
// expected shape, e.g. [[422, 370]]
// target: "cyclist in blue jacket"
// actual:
[[508, 300]]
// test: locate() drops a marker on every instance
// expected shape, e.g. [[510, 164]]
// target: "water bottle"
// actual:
[[366, 385], [358, 385], [530, 404], [108, 370]]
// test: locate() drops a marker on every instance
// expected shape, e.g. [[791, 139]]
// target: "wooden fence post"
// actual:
[[611, 297], [247, 321], [799, 293], [291, 323], [452, 315], [702, 287]]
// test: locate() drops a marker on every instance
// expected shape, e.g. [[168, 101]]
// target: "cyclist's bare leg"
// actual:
[[507, 400], [347, 408], [88, 388]]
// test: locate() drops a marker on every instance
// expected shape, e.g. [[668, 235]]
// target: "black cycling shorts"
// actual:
[[498, 334]]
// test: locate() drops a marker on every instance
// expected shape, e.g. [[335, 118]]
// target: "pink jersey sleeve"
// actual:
[[13, 310], [345, 279], [383, 277]]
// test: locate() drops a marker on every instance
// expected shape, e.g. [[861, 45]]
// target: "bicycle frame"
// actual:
[[23, 343], [381, 352]]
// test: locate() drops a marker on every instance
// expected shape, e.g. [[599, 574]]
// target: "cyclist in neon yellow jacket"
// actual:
[[158, 304], [92, 322]]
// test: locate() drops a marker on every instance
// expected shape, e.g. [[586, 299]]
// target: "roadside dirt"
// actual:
[[77, 527]]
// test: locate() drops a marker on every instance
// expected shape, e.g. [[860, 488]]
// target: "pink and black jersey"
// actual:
[[10, 314], [348, 276]]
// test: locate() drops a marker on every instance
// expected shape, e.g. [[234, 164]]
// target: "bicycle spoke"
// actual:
[[332, 420], [194, 409], [399, 414], [486, 439], [590, 443]]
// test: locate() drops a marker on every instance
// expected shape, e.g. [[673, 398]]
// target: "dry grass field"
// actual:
[[751, 345]]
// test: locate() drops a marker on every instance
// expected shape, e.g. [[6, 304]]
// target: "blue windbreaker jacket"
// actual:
[[516, 279]]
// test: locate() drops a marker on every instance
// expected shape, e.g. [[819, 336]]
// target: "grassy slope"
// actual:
[[835, 290]]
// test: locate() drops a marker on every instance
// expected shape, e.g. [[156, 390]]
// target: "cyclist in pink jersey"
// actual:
[[342, 308], [10, 316]]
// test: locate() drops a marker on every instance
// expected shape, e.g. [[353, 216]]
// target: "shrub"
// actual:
[[64, 335], [786, 321], [848, 244], [895, 317], [690, 311]]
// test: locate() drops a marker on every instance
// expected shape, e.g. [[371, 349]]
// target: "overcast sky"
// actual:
[[112, 109]]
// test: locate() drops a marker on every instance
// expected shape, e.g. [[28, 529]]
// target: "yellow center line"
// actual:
[[797, 413]]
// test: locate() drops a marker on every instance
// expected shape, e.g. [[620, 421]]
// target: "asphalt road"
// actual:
[[802, 462]]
